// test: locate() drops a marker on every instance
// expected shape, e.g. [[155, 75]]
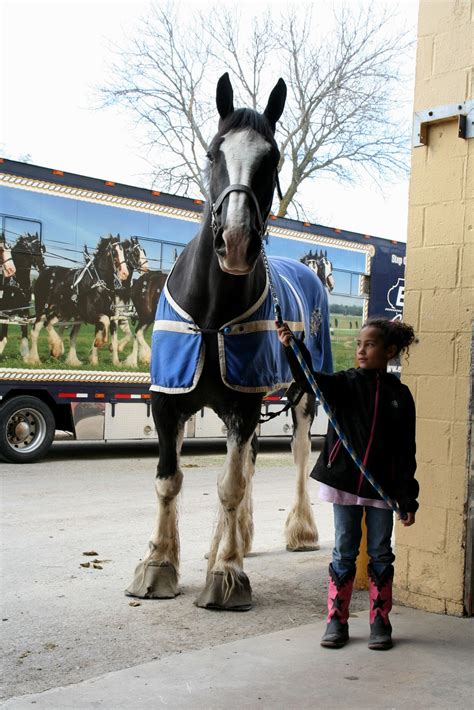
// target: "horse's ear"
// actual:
[[276, 103], [224, 96]]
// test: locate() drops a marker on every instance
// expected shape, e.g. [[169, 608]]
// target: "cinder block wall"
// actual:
[[438, 303]]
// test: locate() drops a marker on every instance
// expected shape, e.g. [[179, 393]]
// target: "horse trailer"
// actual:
[[82, 264]]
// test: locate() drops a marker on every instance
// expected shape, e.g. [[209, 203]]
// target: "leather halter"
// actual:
[[217, 206]]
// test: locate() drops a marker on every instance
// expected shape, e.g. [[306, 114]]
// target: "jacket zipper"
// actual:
[[372, 431]]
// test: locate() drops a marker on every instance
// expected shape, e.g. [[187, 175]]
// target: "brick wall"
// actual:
[[438, 303]]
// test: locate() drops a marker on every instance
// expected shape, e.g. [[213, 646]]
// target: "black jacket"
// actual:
[[351, 395]]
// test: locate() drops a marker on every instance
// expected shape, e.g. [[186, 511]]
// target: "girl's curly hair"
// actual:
[[394, 332]]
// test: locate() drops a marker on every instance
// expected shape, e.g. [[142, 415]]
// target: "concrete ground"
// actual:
[[71, 639], [429, 667]]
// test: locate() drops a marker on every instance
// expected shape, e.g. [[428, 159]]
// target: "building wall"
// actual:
[[438, 303]]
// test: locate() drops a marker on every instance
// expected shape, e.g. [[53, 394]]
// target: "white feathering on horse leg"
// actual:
[[33, 357], [300, 528], [245, 515], [55, 344], [231, 489], [102, 335], [165, 536], [24, 349], [144, 350], [72, 360]]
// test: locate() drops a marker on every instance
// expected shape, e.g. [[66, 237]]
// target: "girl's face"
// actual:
[[371, 352]]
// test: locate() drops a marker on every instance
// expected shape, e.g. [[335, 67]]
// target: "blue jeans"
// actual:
[[348, 533]]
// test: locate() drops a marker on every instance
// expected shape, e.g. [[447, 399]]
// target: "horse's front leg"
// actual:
[[3, 337], [227, 585], [300, 529], [24, 347], [156, 577]]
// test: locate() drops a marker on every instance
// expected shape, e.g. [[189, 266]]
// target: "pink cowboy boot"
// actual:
[[380, 593], [339, 597]]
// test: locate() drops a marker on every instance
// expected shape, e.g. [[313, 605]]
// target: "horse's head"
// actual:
[[135, 255], [321, 264], [109, 250], [325, 271], [6, 260], [30, 251], [243, 159]]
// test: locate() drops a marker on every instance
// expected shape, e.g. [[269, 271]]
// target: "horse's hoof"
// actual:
[[305, 547], [154, 580], [219, 596]]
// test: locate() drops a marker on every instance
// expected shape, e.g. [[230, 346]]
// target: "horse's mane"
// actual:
[[247, 118]]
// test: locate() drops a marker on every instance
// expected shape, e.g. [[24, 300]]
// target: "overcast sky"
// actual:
[[53, 56]]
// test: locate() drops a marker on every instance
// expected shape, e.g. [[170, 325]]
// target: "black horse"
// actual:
[[136, 260], [219, 276], [84, 295], [145, 292], [27, 253]]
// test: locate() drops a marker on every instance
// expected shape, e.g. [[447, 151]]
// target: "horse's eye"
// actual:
[[210, 157]]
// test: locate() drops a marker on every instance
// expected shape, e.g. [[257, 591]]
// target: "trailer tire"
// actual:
[[27, 428]]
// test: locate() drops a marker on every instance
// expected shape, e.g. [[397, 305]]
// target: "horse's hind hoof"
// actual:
[[224, 592], [154, 580], [309, 547]]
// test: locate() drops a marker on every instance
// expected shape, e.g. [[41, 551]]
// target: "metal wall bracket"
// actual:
[[462, 112]]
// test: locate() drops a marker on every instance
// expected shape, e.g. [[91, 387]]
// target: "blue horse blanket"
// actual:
[[250, 355]]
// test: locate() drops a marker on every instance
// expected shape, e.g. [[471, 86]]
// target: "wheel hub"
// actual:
[[22, 430]]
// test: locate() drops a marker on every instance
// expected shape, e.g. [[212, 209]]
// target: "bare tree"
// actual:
[[341, 113]]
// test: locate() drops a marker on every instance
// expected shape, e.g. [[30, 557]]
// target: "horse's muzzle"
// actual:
[[237, 251]]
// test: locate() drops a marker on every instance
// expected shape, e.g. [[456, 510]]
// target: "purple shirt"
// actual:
[[334, 495]]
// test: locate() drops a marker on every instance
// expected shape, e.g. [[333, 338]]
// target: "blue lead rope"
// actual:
[[314, 386]]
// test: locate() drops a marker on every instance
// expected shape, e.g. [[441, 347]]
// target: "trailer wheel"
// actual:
[[27, 429]]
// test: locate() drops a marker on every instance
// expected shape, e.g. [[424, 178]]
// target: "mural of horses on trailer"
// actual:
[[27, 253], [215, 344], [85, 295]]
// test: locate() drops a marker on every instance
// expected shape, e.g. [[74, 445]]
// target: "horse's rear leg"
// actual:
[[300, 529], [156, 577]]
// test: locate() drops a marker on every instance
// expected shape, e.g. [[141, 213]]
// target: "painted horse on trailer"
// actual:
[[27, 253], [215, 345], [322, 265]]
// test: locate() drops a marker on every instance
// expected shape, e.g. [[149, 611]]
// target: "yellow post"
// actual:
[[362, 578]]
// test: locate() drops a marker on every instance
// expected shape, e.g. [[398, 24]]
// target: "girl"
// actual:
[[377, 414]]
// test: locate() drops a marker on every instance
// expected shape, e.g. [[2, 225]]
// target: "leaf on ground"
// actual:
[[97, 567], [91, 553], [134, 603], [85, 564]]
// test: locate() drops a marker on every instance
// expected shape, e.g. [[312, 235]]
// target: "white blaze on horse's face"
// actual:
[[243, 151], [143, 262], [6, 262], [121, 270]]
